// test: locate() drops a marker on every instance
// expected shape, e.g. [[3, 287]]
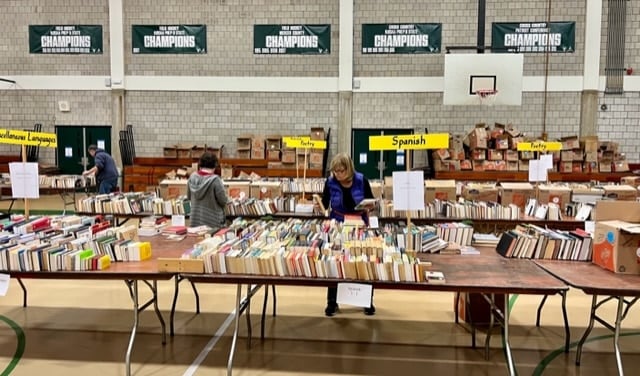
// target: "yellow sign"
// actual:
[[290, 141], [306, 143], [409, 142], [16, 137], [539, 146]]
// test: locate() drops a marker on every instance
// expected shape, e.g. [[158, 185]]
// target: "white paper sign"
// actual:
[[363, 158], [537, 172], [100, 144], [177, 220], [4, 284], [355, 294], [547, 161], [400, 158], [24, 180], [68, 152], [590, 226], [373, 222], [408, 190]]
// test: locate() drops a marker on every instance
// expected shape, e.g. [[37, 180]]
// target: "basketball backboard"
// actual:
[[466, 74]]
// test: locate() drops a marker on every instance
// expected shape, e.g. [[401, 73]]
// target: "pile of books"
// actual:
[[452, 209], [310, 185], [534, 242]]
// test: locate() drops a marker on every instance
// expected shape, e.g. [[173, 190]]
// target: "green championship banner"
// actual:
[[169, 39], [533, 37], [405, 38], [65, 39], [291, 39]]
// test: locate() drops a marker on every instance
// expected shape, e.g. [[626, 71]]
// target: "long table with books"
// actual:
[[132, 273], [593, 280], [488, 275]]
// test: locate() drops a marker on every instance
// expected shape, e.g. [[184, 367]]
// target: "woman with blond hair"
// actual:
[[344, 189]]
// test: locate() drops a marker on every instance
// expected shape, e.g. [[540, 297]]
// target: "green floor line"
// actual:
[[512, 302], [19, 349], [555, 353]]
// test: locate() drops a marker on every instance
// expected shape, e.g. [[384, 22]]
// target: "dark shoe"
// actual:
[[331, 309], [370, 311]]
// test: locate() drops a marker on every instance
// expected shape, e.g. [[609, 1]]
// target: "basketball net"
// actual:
[[486, 97]]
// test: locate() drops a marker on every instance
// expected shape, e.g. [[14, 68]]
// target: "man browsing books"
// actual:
[[343, 191], [104, 168]]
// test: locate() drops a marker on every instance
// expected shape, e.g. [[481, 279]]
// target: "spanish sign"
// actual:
[[533, 37], [409, 142], [17, 137], [539, 146], [65, 39], [169, 39], [405, 38], [291, 39]]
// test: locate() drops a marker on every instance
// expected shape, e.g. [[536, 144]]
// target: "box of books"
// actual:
[[237, 189], [487, 192], [443, 190], [557, 194], [265, 189], [516, 193], [620, 192], [615, 246], [173, 188]]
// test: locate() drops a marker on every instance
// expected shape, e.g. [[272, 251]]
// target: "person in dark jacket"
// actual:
[[104, 168], [343, 190], [207, 194]]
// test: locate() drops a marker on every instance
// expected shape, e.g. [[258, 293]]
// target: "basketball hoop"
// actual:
[[487, 97]]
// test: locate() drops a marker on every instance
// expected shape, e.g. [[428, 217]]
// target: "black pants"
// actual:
[[332, 295]]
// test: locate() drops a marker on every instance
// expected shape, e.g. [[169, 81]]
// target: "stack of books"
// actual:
[[534, 242]]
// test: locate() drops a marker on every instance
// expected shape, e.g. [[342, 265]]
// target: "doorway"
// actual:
[[71, 155], [376, 164]]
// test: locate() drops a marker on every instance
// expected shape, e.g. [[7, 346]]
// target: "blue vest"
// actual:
[[335, 191]]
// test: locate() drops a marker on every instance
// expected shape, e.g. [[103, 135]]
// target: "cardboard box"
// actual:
[[620, 166], [479, 154], [620, 192], [244, 153], [478, 137], [633, 181], [511, 155], [512, 166], [441, 154], [377, 188], [317, 133], [608, 210], [466, 165], [489, 165], [273, 142], [557, 194], [605, 166], [571, 142], [237, 189], [257, 142], [169, 152], [615, 246], [388, 188], [589, 144], [265, 189], [316, 157], [173, 188], [444, 190], [273, 154], [478, 165], [257, 153], [523, 165], [456, 154], [244, 142], [480, 192], [495, 155], [516, 193], [289, 156]]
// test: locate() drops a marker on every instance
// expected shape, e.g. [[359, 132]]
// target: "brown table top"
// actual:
[[471, 273], [591, 278], [160, 247]]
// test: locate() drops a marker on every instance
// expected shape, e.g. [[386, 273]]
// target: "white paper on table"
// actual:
[[355, 294], [25, 182], [590, 226], [4, 284], [537, 172], [408, 190], [177, 220], [547, 161], [373, 222]]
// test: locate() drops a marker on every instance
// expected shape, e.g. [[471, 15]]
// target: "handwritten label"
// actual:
[[355, 294], [409, 142], [17, 137], [539, 146]]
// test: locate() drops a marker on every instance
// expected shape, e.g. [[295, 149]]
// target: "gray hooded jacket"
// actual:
[[208, 199]]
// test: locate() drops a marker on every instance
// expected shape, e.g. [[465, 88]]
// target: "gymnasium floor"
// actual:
[[82, 328]]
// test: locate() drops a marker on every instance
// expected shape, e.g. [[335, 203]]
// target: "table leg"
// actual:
[[273, 290], [592, 319], [248, 315], [565, 317], [544, 300], [616, 335], [235, 332], [507, 345], [264, 312], [24, 292], [195, 292], [176, 287], [154, 290], [133, 285], [455, 307], [487, 340]]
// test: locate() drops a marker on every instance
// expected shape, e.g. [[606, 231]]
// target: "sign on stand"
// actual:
[[306, 143], [540, 146], [408, 194], [24, 176]]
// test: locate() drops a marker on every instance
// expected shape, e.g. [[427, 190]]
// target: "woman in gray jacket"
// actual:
[[207, 194]]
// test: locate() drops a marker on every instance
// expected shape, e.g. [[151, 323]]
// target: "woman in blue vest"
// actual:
[[344, 189]]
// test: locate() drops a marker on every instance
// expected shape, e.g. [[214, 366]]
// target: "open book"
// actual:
[[367, 203]]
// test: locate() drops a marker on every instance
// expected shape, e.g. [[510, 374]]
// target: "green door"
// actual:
[[370, 163], [73, 141]]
